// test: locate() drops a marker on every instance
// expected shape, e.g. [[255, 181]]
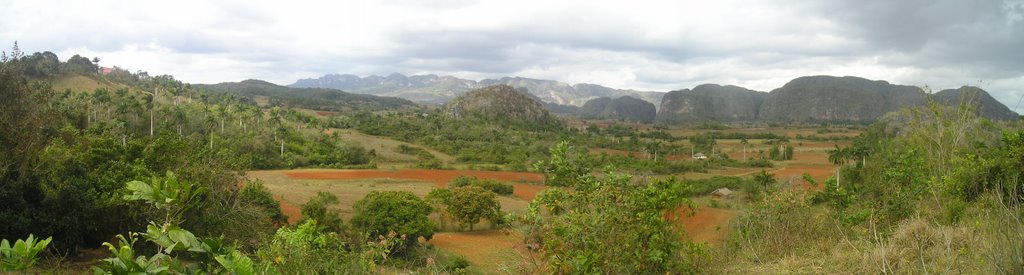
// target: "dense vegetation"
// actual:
[[76, 150]]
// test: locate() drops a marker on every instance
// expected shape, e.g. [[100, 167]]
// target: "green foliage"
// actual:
[[490, 185], [23, 254], [700, 187], [469, 204], [606, 225], [237, 263], [401, 212], [306, 247], [310, 98], [426, 160], [564, 167], [168, 194], [316, 209], [762, 183], [781, 152], [124, 260], [703, 143], [259, 196]]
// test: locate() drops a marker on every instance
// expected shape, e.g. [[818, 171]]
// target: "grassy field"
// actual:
[[387, 156], [80, 83]]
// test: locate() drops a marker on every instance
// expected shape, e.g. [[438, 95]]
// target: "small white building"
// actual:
[[699, 156]]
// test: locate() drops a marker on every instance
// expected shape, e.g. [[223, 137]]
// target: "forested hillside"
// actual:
[[68, 154], [310, 98]]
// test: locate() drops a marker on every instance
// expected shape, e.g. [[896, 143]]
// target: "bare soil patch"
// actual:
[[710, 225], [488, 250]]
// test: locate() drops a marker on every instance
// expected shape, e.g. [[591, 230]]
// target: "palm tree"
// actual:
[[764, 179], [839, 157], [744, 142]]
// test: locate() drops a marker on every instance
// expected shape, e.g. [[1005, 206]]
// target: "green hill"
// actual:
[[310, 98]]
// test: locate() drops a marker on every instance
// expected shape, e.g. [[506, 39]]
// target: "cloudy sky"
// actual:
[[644, 45]]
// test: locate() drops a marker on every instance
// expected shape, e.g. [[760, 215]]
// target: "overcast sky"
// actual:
[[644, 45]]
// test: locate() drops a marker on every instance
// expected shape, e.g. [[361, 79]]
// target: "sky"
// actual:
[[642, 45]]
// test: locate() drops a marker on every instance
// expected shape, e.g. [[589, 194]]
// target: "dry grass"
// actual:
[[78, 83], [989, 240], [385, 147], [488, 251]]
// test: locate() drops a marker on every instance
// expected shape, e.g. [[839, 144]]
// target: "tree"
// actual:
[[838, 157], [764, 179], [439, 199], [401, 212], [745, 143], [469, 204]]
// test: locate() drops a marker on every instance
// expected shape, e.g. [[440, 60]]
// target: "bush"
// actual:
[[401, 212], [258, 195], [306, 248], [491, 185], [316, 209]]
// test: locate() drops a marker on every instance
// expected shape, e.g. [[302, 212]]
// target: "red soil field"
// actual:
[[293, 212], [487, 249], [710, 225], [527, 191], [439, 177], [819, 173]]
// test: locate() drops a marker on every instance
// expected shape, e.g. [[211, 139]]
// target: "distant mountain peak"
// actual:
[[433, 89]]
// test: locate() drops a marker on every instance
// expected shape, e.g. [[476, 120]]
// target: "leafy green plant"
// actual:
[[22, 255], [124, 261], [168, 194]]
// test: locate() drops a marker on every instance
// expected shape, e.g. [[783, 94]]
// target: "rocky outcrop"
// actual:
[[499, 103], [622, 108], [710, 102]]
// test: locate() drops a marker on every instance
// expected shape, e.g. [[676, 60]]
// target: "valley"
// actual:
[[124, 171]]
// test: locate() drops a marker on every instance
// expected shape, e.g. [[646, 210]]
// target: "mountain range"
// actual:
[[434, 89], [814, 99], [807, 99]]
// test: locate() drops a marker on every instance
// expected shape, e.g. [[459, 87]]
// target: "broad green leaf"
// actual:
[[138, 190]]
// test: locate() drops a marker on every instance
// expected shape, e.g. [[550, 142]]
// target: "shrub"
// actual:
[[316, 209], [402, 212], [258, 195], [491, 185]]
